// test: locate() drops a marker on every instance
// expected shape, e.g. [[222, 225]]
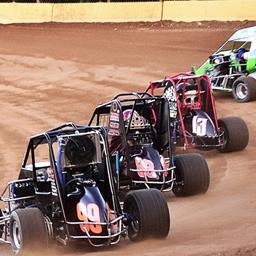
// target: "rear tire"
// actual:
[[149, 215], [244, 89], [28, 232], [192, 175], [236, 134]]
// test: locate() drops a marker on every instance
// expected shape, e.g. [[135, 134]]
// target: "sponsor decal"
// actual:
[[170, 94]]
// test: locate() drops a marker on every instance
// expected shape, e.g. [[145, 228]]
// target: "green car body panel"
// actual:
[[229, 66]]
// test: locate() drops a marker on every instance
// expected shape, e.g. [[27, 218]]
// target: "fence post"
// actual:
[[162, 10]]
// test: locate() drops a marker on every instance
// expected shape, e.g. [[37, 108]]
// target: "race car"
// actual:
[[232, 68], [66, 193], [193, 119], [141, 147]]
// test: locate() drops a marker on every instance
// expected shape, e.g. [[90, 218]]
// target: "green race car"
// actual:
[[232, 68]]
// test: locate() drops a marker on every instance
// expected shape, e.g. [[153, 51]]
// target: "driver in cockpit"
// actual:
[[242, 54]]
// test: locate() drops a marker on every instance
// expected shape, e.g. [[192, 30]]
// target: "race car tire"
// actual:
[[236, 134], [148, 214], [244, 89], [2, 225], [28, 233], [192, 175]]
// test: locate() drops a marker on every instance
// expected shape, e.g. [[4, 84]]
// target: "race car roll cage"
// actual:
[[49, 137], [219, 80], [234, 66], [181, 106], [137, 99]]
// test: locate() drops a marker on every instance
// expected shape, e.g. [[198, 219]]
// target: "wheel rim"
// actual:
[[16, 235], [134, 227], [241, 91], [223, 136], [178, 185]]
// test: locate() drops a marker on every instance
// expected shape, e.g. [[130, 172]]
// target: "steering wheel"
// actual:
[[77, 180]]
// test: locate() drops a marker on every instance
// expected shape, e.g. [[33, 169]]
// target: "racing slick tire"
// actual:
[[244, 89], [148, 214], [28, 233], [236, 134], [192, 175], [2, 225]]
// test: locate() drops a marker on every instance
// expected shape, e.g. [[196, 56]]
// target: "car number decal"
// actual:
[[89, 213], [145, 168], [199, 126]]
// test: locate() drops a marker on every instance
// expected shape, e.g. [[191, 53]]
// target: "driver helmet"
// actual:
[[240, 53]]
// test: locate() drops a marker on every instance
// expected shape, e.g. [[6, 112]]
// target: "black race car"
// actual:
[[66, 192], [141, 146]]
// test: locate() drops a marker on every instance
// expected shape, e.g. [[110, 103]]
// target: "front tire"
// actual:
[[192, 175], [244, 89], [2, 225], [236, 134], [149, 215], [28, 232]]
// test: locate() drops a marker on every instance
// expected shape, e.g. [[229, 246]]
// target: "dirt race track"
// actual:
[[52, 73]]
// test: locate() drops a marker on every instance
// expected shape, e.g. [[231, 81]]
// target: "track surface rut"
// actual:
[[51, 73]]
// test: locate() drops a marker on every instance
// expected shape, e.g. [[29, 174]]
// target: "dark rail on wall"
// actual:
[[86, 1]]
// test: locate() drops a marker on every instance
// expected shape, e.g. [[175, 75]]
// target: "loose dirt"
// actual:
[[51, 73]]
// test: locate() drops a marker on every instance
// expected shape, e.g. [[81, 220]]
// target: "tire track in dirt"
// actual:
[[38, 101], [15, 132], [61, 83]]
